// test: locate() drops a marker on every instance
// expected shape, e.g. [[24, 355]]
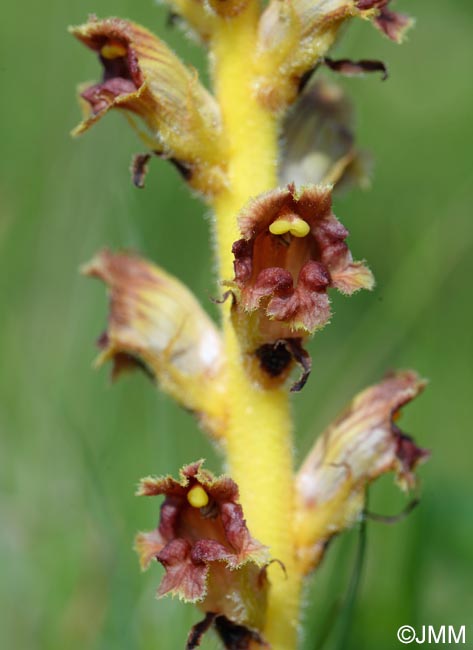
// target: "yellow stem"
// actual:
[[259, 434]]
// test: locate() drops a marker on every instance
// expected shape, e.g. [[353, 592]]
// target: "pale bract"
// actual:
[[156, 323], [363, 443]]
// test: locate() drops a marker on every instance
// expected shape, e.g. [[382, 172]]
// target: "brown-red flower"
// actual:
[[291, 252], [203, 543]]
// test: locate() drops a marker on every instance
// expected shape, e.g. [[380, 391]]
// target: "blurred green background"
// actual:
[[73, 447]]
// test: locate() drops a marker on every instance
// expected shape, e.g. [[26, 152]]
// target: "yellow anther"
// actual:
[[113, 50], [280, 227], [198, 497], [299, 227], [295, 226]]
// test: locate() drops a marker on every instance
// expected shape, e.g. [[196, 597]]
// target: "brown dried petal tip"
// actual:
[[351, 68], [139, 169], [205, 547], [394, 25]]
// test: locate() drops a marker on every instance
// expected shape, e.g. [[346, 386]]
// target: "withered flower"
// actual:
[[207, 552], [157, 324], [291, 252], [318, 142], [363, 443], [144, 78], [295, 35]]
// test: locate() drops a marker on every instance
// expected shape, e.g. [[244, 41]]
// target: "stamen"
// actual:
[[293, 225], [113, 50], [197, 497]]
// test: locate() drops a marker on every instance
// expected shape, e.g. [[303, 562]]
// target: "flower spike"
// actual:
[[363, 443], [144, 78], [270, 192], [155, 323], [207, 551]]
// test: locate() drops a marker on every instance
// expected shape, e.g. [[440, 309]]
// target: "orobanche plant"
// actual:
[[264, 149]]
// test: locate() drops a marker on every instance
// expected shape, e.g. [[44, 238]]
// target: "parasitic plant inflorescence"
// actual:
[[265, 148]]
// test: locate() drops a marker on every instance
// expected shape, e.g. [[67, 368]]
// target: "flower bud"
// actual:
[[155, 323], [145, 79], [363, 443]]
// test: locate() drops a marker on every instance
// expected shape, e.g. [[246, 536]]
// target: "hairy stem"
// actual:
[[259, 444]]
